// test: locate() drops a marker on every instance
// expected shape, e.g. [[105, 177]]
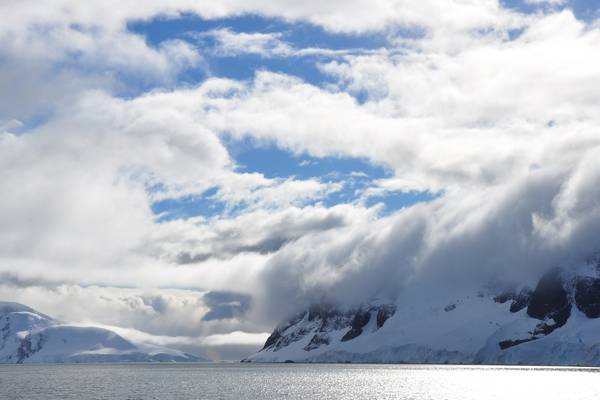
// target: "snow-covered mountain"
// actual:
[[27, 336], [555, 322]]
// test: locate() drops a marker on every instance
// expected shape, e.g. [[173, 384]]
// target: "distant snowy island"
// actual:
[[555, 322], [28, 336]]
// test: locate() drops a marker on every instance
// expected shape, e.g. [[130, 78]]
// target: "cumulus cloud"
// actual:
[[438, 118], [54, 52]]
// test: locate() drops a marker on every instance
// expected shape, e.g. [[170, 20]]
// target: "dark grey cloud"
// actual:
[[225, 305], [259, 233], [266, 246], [18, 281], [158, 303]]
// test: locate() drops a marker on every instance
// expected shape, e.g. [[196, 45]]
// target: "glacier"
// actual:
[[28, 336]]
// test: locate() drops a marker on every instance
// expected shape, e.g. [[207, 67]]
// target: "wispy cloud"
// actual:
[[228, 43]]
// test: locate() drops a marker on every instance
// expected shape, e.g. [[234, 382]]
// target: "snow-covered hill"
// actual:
[[554, 323], [27, 336]]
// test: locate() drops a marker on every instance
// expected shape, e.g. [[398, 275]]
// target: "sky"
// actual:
[[190, 173]]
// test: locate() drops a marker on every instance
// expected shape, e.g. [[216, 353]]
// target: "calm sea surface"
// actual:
[[294, 381]]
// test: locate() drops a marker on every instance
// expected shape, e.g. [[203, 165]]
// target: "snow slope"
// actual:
[[27, 336], [556, 323]]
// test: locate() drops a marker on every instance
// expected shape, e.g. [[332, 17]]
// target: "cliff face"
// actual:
[[556, 322]]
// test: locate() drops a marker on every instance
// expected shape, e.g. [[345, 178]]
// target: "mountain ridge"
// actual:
[[556, 322], [28, 336]]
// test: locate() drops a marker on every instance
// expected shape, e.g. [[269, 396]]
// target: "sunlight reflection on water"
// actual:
[[294, 381]]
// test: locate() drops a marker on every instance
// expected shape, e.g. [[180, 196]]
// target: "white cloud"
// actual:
[[439, 119], [277, 193], [236, 337], [268, 45], [262, 231], [229, 43], [81, 179], [338, 15]]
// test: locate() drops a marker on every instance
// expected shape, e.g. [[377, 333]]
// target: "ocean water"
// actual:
[[294, 381]]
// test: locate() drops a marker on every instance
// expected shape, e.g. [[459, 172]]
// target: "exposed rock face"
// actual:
[[272, 339], [505, 344], [277, 340], [505, 296], [27, 348], [521, 300], [320, 320], [587, 296], [317, 340], [360, 319], [518, 300], [384, 313], [549, 299]]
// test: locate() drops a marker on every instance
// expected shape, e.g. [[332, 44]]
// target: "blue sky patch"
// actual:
[[188, 206], [356, 176], [274, 162], [300, 34], [393, 201], [244, 66], [585, 10]]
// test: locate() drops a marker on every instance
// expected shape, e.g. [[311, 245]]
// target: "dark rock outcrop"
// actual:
[[450, 307], [26, 348], [318, 311], [320, 320], [360, 319], [505, 296], [277, 340], [505, 344], [384, 313], [519, 300], [587, 296], [549, 302], [550, 299], [317, 340], [272, 339]]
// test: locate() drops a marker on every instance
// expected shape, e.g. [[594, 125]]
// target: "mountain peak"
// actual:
[[27, 336], [7, 307]]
